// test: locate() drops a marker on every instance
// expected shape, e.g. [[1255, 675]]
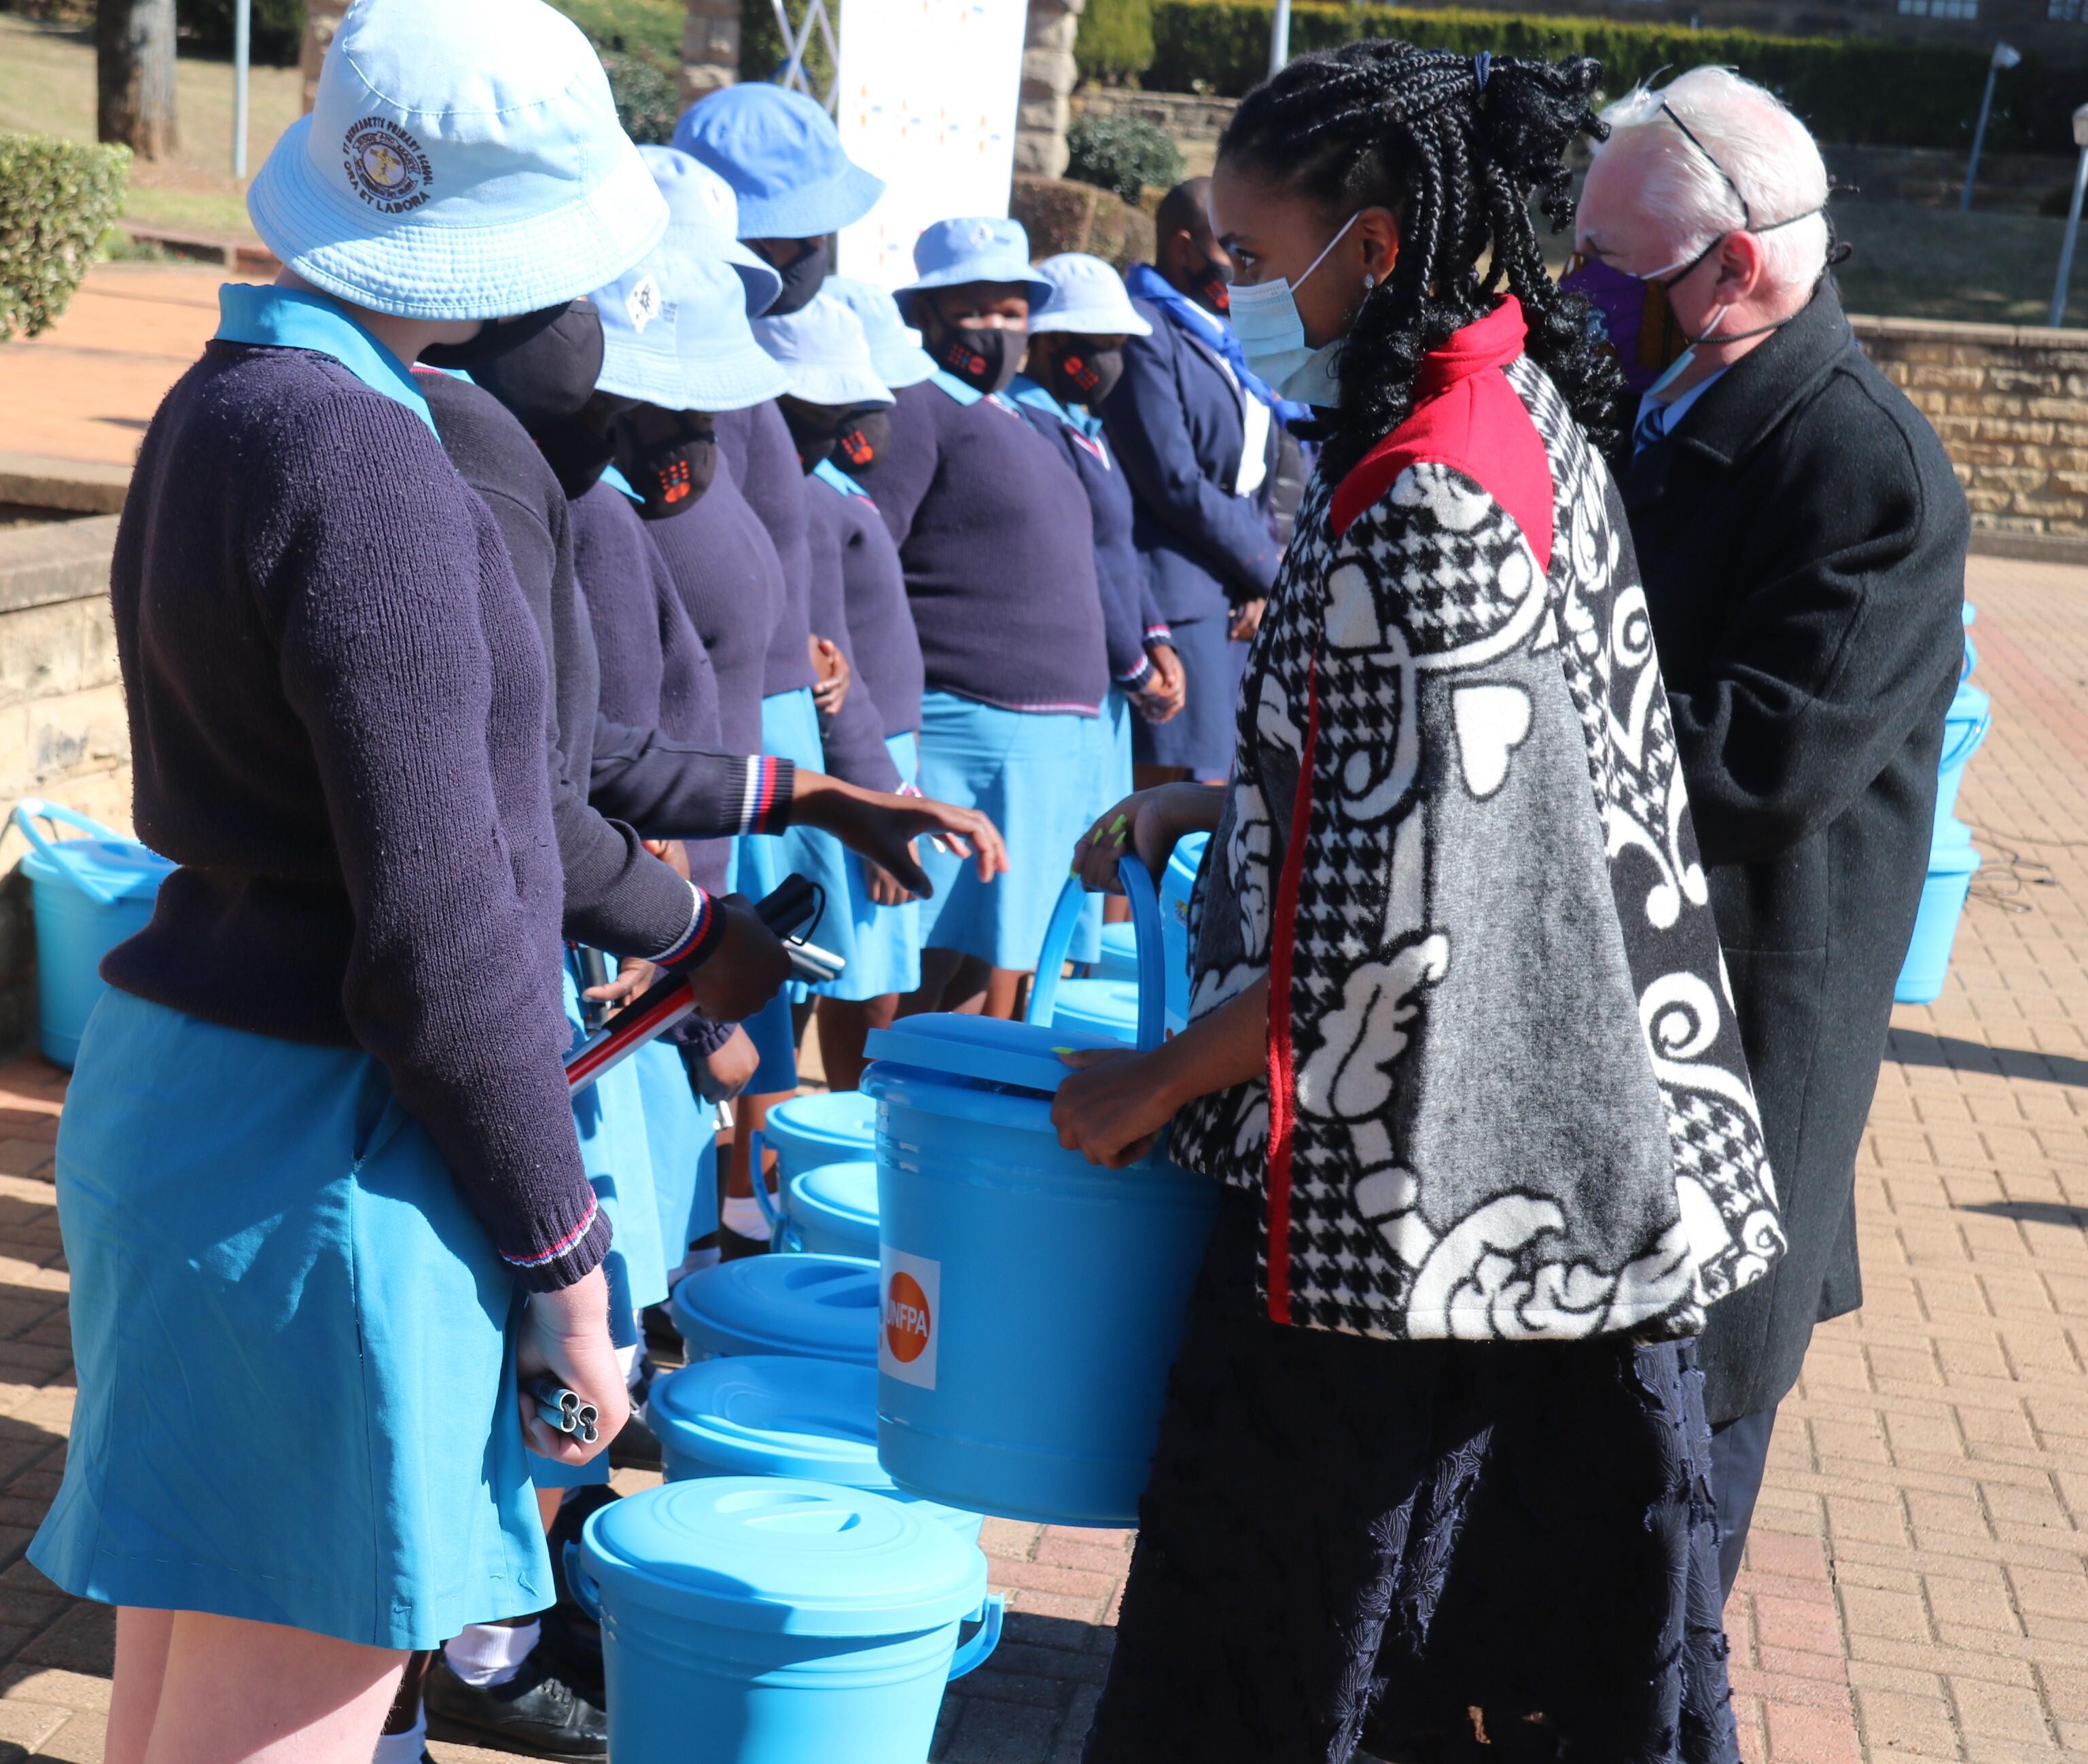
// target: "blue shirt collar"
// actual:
[[1025, 390], [1677, 408], [291, 319], [965, 393], [835, 478], [1146, 283], [616, 481]]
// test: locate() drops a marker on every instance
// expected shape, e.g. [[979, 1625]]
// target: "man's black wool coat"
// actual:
[[1801, 537]]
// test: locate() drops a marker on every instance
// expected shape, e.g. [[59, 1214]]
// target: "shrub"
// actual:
[[1115, 42], [648, 94], [763, 52], [278, 27], [1857, 90], [1122, 155], [57, 198]]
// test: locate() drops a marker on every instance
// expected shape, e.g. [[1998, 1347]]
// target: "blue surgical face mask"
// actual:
[[1272, 334]]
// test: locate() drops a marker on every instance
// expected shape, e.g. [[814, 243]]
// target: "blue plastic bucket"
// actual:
[[766, 1414], [827, 1128], [1966, 725], [1952, 864], [1108, 1008], [1971, 649], [1033, 1302], [89, 894], [1176, 886], [770, 1621], [832, 1211], [1119, 960], [820, 1307]]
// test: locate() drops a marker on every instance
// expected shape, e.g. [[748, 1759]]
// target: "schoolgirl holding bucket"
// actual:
[[1432, 1473], [318, 1179]]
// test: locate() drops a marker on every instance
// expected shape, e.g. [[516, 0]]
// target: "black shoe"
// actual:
[[661, 1337], [635, 1447], [536, 1713]]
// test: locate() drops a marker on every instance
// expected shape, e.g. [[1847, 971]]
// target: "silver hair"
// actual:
[[1742, 132]]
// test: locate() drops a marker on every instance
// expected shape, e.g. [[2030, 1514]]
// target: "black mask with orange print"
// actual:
[[668, 456], [985, 359], [860, 440], [1077, 375]]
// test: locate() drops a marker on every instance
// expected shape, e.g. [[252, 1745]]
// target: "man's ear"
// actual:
[[1741, 261]]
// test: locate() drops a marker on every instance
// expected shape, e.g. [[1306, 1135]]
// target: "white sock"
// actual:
[[407, 1748], [742, 1215], [490, 1653], [626, 1358]]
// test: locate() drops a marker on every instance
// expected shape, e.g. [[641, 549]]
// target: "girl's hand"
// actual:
[[1165, 693], [1148, 822], [566, 1335], [1111, 1109], [830, 690], [882, 829], [633, 975], [885, 888]]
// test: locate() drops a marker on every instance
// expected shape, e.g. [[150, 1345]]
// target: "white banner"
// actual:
[[926, 99]]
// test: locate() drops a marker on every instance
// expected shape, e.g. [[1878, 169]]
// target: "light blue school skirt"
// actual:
[[790, 731], [681, 1129], [296, 1375], [1033, 774], [884, 941]]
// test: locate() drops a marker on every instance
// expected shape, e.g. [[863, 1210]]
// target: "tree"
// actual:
[[133, 41]]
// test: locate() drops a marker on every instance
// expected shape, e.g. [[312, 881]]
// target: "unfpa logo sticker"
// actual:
[[910, 1296], [385, 166]]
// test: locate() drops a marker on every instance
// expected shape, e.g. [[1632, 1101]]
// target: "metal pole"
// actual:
[[2066, 250], [242, 33], [1279, 38], [1979, 135]]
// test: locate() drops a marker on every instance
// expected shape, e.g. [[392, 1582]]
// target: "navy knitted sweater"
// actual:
[[337, 710], [755, 447], [853, 739], [880, 624], [723, 563], [999, 548]]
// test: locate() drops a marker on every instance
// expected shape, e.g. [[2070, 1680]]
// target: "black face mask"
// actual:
[[802, 278], [670, 458], [818, 430], [985, 360], [548, 377], [576, 452], [1079, 375], [496, 338], [1212, 288], [860, 442]]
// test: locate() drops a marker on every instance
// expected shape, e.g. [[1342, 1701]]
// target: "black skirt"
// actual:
[[1435, 1551]]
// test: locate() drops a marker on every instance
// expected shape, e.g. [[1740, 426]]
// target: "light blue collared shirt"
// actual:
[[290, 318], [1669, 412]]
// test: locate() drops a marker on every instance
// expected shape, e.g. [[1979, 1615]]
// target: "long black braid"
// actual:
[[1455, 147]]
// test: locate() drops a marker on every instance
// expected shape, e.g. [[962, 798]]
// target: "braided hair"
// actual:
[[1454, 146]]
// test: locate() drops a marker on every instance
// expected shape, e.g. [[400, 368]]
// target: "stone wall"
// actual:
[[2011, 403], [62, 728]]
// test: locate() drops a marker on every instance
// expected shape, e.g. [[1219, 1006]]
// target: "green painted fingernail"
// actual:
[[1116, 826]]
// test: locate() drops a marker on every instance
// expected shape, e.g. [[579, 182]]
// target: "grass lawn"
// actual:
[[1916, 263]]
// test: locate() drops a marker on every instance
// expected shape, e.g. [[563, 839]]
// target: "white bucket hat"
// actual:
[[675, 333], [703, 217], [1088, 296], [462, 160], [895, 345], [822, 347]]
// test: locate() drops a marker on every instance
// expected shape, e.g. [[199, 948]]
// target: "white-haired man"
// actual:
[[1802, 539]]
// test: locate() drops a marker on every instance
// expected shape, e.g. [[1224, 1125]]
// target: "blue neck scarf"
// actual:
[[1144, 282], [290, 318]]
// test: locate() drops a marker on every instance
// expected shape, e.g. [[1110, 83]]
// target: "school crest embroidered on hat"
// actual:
[[386, 166], [645, 303]]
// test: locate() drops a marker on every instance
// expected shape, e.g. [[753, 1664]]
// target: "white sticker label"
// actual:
[[910, 1295], [643, 304]]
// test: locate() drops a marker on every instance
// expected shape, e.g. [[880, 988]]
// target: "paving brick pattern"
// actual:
[[1918, 1583]]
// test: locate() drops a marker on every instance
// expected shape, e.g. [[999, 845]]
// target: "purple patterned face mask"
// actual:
[[1630, 315]]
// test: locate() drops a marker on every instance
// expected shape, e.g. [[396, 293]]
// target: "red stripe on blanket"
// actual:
[[1283, 1093]]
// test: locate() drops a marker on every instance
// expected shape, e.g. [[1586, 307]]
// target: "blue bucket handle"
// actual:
[[974, 1653], [1970, 742], [32, 809], [779, 1228], [1152, 961], [580, 1583]]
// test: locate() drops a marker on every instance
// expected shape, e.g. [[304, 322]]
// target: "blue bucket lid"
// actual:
[[774, 1414], [846, 1190], [1024, 1055], [827, 1117], [825, 1306], [1967, 704], [115, 869], [783, 1557], [1103, 1007]]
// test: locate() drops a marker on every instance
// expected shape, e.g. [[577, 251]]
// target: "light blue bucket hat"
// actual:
[[675, 333], [780, 151], [822, 347], [461, 160], [703, 215], [951, 253], [1088, 298], [895, 345]]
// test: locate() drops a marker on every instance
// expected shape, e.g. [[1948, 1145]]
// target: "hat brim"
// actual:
[[629, 371], [762, 280], [745, 375], [900, 368], [423, 267], [1092, 322], [835, 385], [813, 212], [981, 270]]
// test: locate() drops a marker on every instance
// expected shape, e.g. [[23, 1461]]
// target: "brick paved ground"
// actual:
[[1918, 1585]]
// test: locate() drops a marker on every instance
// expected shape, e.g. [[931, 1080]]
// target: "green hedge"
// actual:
[[1857, 90], [1115, 40], [1123, 155], [57, 199], [648, 93]]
